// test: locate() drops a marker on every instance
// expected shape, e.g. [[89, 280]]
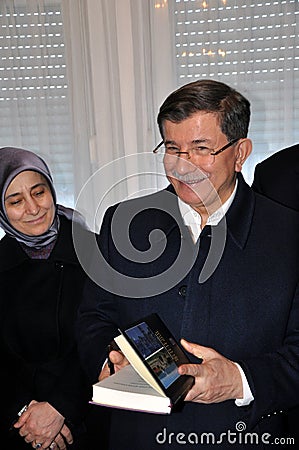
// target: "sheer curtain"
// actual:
[[131, 72]]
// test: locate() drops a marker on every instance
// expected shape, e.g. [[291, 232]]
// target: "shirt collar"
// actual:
[[192, 219]]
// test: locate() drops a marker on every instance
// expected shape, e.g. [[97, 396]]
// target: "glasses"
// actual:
[[200, 150]]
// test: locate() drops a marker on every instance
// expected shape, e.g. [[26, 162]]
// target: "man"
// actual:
[[277, 177], [205, 254]]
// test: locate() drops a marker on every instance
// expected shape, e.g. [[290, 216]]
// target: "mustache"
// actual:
[[189, 178]]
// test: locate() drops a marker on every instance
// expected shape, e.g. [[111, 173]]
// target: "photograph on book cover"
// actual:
[[154, 353]]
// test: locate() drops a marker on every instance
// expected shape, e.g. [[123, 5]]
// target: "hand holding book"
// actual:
[[115, 362], [216, 380], [156, 374], [151, 382]]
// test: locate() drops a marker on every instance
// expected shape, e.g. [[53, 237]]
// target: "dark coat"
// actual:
[[39, 357], [248, 310], [277, 177]]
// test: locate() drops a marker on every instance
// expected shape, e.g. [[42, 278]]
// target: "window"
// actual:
[[253, 46], [34, 94]]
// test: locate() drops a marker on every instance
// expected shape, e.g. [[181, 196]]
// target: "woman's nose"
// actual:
[[32, 206]]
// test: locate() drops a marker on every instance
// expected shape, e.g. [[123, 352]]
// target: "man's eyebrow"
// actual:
[[195, 141], [15, 194], [170, 142]]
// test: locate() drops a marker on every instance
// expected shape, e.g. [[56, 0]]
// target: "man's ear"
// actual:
[[244, 148]]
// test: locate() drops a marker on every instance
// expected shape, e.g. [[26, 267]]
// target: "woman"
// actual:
[[41, 282]]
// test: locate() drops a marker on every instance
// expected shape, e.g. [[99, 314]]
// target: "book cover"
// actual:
[[152, 382]]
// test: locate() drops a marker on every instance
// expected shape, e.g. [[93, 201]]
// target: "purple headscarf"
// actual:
[[12, 162]]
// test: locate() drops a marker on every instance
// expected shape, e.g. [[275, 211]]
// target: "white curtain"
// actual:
[[130, 71]]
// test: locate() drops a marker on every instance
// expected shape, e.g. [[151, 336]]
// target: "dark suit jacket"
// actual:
[[277, 177], [248, 310]]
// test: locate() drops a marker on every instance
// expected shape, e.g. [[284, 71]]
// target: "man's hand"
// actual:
[[118, 360], [216, 379]]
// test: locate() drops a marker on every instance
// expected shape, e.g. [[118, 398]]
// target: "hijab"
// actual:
[[12, 162]]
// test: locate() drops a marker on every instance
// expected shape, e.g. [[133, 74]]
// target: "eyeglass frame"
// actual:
[[214, 153]]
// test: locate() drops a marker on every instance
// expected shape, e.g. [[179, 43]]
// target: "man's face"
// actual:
[[203, 182]]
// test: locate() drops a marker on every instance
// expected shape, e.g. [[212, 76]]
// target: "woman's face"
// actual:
[[29, 203]]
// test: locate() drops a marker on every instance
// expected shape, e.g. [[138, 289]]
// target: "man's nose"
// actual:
[[180, 154], [183, 163]]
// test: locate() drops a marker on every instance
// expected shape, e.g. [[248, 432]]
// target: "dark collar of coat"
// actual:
[[12, 254], [240, 214]]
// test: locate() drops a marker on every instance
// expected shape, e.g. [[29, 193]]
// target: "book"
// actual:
[[151, 383]]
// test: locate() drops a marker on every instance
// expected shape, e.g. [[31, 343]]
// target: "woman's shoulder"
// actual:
[[73, 240], [11, 253]]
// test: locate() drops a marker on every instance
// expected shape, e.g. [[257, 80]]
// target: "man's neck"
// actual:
[[196, 220]]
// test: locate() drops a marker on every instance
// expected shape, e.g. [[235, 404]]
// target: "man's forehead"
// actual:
[[201, 127]]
